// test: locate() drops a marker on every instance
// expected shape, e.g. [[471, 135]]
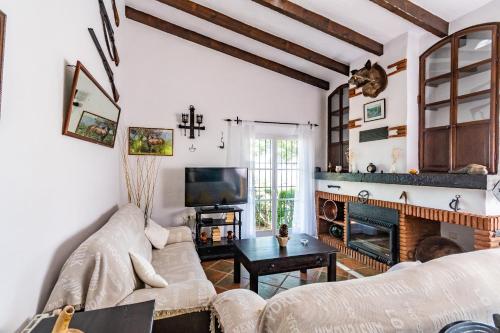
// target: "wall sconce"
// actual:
[[190, 118]]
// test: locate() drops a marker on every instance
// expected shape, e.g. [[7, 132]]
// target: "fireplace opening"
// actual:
[[373, 231]]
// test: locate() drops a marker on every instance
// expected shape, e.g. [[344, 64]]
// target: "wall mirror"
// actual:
[[92, 114]]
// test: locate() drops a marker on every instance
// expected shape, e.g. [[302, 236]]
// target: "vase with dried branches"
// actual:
[[141, 174]]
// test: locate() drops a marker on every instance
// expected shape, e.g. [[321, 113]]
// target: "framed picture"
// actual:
[[374, 110], [150, 141], [96, 128]]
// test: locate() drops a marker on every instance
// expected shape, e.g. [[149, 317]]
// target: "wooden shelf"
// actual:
[[337, 222], [465, 71], [434, 106], [475, 96], [337, 128]]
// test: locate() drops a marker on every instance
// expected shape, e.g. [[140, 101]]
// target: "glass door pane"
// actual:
[[474, 47], [263, 178], [286, 181], [474, 76], [438, 63], [438, 87]]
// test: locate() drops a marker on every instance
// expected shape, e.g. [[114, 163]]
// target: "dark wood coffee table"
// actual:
[[263, 256]]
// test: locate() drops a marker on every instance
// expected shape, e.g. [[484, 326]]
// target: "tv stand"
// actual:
[[211, 250]]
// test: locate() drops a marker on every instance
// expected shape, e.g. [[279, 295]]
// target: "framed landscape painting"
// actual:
[[374, 110], [96, 128], [150, 141]]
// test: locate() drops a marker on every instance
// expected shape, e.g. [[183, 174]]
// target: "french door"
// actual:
[[275, 175]]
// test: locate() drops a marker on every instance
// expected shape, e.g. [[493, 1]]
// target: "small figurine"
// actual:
[[204, 237], [230, 235], [216, 237], [413, 172]]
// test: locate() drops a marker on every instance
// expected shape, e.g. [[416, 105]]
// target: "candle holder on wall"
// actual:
[[190, 118]]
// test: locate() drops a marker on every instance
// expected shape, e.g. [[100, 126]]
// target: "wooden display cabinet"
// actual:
[[459, 101], [338, 127]]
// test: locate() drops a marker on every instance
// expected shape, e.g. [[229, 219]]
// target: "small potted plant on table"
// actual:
[[283, 235]]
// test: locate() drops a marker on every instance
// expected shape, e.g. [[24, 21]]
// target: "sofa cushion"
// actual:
[[179, 234], [178, 262], [237, 310], [423, 298], [176, 299], [157, 235], [99, 272], [146, 272]]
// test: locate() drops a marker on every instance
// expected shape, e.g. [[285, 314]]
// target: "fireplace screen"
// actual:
[[373, 231], [372, 238]]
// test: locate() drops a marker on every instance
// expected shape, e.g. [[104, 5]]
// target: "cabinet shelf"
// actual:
[[337, 222], [475, 96], [463, 72]]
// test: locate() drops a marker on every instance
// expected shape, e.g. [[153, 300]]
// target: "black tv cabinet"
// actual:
[[217, 250]]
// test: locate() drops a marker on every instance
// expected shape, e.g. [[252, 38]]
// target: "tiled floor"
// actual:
[[220, 272]]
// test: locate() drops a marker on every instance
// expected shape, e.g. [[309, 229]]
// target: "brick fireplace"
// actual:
[[415, 224]]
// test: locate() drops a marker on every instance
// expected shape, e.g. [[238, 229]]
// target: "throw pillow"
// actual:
[[157, 235], [146, 272]]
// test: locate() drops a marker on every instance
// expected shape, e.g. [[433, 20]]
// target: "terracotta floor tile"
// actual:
[[207, 264], [220, 290], [367, 271], [223, 266], [214, 276], [228, 283], [352, 263]]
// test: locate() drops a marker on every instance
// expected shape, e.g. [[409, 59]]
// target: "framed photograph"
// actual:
[[96, 128], [150, 141], [374, 110]]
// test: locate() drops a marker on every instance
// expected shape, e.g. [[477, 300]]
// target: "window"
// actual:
[[276, 177]]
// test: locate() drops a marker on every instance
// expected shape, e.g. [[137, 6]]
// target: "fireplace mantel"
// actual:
[[476, 182]]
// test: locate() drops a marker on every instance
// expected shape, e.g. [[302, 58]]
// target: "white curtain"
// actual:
[[304, 220], [240, 154]]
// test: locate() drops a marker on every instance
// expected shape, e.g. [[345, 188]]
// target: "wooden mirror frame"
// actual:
[[80, 68], [3, 24]]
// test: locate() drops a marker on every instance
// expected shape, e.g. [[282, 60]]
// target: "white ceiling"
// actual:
[[362, 16]]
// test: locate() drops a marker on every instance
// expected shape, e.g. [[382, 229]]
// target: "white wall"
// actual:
[[54, 190], [164, 74], [380, 152]]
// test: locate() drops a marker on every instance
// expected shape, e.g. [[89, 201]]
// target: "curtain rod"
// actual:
[[238, 121]]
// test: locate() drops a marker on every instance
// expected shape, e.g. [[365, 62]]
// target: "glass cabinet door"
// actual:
[[473, 105], [338, 127], [437, 108], [459, 100]]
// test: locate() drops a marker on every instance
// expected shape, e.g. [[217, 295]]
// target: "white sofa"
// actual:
[[423, 298], [100, 274]]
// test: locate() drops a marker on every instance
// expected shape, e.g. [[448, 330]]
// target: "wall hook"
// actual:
[[192, 148], [222, 141], [404, 195], [454, 203]]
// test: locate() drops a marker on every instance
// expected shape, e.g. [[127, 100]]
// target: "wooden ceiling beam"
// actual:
[[256, 34], [416, 15], [323, 24], [213, 44]]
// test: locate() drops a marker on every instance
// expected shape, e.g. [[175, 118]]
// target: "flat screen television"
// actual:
[[216, 187]]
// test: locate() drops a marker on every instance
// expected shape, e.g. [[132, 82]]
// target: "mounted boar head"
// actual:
[[372, 78]]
